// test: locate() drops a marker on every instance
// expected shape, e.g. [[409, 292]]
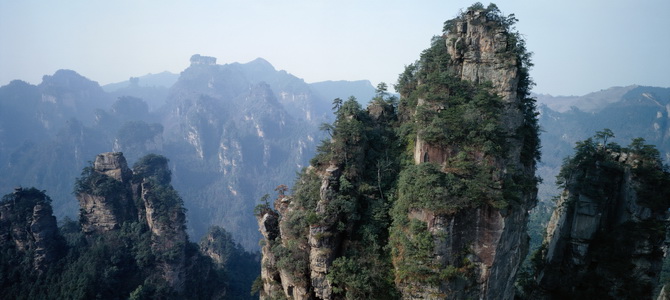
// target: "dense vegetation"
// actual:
[[364, 183], [124, 263], [598, 170], [238, 267], [49, 131], [369, 155], [364, 149], [377, 184], [464, 119]]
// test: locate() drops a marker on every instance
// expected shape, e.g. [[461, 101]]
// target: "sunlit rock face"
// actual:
[[478, 52], [105, 208], [114, 165]]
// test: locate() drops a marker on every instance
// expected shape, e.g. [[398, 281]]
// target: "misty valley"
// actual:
[[241, 181]]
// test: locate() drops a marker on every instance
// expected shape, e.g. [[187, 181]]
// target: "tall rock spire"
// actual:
[[105, 195], [366, 223], [476, 125]]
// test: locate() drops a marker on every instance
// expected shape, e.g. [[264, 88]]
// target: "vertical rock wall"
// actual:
[[268, 222], [604, 239], [493, 240], [107, 202]]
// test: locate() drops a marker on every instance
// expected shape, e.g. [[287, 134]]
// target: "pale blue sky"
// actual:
[[580, 46]]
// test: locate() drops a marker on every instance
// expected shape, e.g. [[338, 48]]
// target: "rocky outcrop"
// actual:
[[45, 235], [28, 225], [198, 59], [161, 209], [475, 236], [480, 50], [114, 165], [607, 235], [110, 194], [293, 281], [300, 246], [319, 223], [166, 220], [98, 214], [106, 199], [324, 238], [268, 223]]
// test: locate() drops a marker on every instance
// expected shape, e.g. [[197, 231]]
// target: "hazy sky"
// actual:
[[580, 46]]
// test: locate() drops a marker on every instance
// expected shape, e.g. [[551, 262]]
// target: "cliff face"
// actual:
[[268, 224], [607, 235], [27, 225], [166, 222], [480, 52], [107, 202], [111, 194], [235, 124]]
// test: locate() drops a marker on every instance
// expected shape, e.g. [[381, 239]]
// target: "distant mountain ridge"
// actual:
[[48, 131], [163, 79], [151, 86], [363, 90], [589, 103], [215, 122], [634, 111], [630, 112]]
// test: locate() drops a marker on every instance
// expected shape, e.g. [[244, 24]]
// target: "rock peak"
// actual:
[[198, 59], [27, 223], [104, 194], [261, 63], [482, 52], [68, 79], [113, 164]]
